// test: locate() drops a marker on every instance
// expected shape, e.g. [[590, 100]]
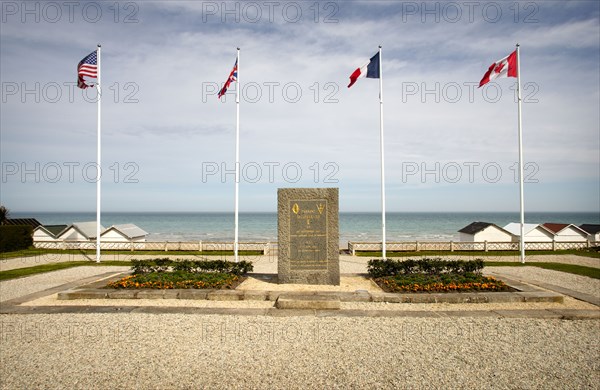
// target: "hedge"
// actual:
[[196, 266], [15, 237], [381, 268]]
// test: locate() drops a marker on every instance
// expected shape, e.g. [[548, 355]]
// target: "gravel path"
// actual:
[[582, 284], [173, 351], [14, 288]]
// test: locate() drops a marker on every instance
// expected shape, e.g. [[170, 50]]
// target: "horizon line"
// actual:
[[275, 211]]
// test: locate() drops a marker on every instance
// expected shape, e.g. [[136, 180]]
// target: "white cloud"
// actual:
[[177, 51]]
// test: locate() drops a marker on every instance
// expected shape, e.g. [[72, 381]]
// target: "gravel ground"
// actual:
[[347, 284], [14, 288], [569, 303], [188, 351], [578, 283], [173, 351]]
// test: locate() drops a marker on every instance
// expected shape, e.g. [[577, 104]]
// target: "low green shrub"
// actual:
[[190, 266], [432, 275], [387, 267]]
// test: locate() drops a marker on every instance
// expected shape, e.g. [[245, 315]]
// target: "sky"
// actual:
[[168, 142]]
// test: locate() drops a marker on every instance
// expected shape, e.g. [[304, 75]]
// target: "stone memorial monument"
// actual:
[[308, 236]]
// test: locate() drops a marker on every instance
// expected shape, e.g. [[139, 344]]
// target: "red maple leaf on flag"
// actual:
[[499, 67]]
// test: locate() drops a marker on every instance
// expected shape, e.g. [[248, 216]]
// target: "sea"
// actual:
[[262, 227]]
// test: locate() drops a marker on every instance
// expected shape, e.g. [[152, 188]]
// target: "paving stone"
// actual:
[[225, 295], [516, 284], [103, 309], [541, 296], [170, 294], [574, 314], [273, 295], [83, 294], [594, 300], [522, 286], [355, 297], [150, 294], [274, 312], [167, 310], [500, 297], [344, 313], [408, 313], [545, 314], [378, 297], [122, 294], [192, 294], [323, 302], [466, 314], [255, 295]]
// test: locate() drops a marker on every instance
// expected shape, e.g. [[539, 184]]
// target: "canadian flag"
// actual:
[[506, 67]]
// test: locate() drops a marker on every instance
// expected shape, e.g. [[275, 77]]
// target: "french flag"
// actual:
[[369, 70], [506, 67]]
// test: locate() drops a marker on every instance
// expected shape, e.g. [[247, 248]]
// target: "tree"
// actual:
[[3, 214]]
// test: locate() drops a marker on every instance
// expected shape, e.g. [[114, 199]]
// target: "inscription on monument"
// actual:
[[308, 234]]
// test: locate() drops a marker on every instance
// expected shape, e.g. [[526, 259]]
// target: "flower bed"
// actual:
[[432, 283], [179, 280], [169, 274], [432, 275]]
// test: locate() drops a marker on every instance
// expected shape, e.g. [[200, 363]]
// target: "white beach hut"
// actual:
[[593, 232], [533, 232], [80, 232], [124, 233], [484, 231], [48, 233], [565, 232]]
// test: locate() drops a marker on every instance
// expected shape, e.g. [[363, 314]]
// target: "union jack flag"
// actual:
[[232, 77], [87, 67]]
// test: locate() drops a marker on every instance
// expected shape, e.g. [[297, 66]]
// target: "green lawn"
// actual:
[[569, 268], [38, 269], [92, 253], [586, 253], [16, 273]]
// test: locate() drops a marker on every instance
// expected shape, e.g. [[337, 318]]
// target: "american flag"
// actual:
[[232, 77], [87, 67]]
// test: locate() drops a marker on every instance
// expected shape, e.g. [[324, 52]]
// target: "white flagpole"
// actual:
[[383, 240], [521, 196], [99, 155], [237, 159]]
